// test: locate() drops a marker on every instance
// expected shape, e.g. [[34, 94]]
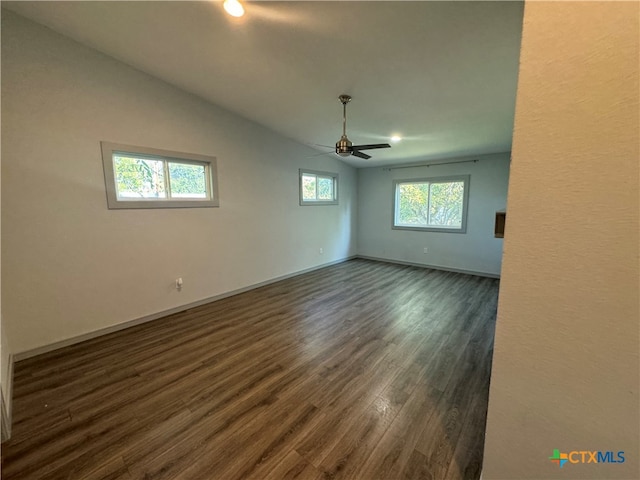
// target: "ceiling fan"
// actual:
[[344, 146]]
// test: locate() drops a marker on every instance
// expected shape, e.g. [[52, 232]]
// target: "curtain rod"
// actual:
[[428, 164]]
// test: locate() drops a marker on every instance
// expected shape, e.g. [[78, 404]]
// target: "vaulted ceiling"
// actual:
[[440, 74]]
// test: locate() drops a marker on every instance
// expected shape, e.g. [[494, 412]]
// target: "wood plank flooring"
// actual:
[[362, 370]]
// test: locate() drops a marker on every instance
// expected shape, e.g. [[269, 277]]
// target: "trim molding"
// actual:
[[434, 267], [6, 403], [154, 316]]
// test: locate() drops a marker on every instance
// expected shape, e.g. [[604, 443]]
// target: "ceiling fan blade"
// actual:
[[320, 154], [356, 153], [320, 145], [371, 147]]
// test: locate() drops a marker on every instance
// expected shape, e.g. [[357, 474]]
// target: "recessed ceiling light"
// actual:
[[396, 138], [234, 8]]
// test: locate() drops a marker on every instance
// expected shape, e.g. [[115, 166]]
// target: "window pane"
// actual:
[[318, 188], [412, 204], [325, 188], [187, 180], [432, 204], [138, 178], [309, 187], [445, 205]]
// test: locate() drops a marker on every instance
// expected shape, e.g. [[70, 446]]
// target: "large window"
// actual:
[[318, 188], [140, 177], [432, 204]]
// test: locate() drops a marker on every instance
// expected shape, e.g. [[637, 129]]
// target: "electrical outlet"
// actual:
[[321, 251], [425, 250], [179, 283]]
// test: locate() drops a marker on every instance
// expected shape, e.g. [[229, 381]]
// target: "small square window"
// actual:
[[140, 177], [318, 188]]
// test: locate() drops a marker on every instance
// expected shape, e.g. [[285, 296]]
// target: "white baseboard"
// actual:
[[434, 267], [6, 403], [154, 316]]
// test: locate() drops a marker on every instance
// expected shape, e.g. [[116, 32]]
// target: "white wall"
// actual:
[[565, 367], [6, 382], [475, 251], [70, 265]]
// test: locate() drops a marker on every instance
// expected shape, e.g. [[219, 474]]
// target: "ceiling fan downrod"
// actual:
[[343, 146]]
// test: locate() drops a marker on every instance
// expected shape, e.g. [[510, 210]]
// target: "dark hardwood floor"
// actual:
[[362, 370]]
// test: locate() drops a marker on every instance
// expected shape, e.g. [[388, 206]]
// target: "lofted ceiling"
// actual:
[[440, 74]]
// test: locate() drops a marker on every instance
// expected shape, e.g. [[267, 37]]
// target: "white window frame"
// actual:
[[166, 156], [333, 176], [432, 228]]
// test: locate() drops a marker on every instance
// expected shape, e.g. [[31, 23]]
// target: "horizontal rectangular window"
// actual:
[[318, 188], [431, 204], [140, 177]]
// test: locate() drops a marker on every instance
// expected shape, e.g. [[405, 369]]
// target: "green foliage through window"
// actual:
[[187, 180], [148, 178], [318, 188], [309, 187], [325, 188], [430, 204], [139, 177]]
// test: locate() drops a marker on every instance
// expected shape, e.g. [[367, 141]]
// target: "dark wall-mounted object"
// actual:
[[501, 217]]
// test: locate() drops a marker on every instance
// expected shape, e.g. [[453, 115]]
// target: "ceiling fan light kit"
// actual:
[[344, 146]]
